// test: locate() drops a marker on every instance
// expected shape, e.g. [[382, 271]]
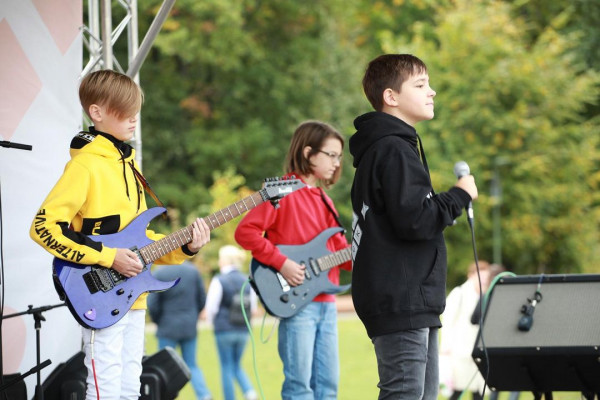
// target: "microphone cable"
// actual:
[[470, 219]]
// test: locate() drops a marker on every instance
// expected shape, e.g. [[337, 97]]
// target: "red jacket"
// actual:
[[302, 215]]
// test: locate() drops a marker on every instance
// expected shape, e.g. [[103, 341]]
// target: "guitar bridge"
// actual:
[[102, 279]]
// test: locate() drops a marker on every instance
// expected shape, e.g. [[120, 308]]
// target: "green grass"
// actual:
[[358, 366]]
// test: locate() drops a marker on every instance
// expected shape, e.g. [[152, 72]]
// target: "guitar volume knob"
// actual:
[[285, 297]]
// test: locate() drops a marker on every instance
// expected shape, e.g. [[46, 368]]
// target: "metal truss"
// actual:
[[99, 38]]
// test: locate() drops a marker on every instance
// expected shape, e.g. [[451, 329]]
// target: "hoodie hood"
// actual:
[[97, 143], [102, 144], [373, 126]]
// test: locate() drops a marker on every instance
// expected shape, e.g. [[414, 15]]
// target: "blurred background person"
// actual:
[[223, 310], [458, 371], [175, 312], [494, 270]]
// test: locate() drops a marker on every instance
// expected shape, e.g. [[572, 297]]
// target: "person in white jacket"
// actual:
[[458, 371]]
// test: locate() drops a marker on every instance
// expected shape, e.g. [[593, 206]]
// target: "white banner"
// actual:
[[41, 58]]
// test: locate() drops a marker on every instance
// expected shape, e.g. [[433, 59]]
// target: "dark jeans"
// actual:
[[407, 362]]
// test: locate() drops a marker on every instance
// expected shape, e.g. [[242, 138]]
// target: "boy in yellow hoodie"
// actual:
[[100, 192]]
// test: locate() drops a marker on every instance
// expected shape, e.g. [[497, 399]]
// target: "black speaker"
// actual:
[[541, 346], [163, 375], [67, 381], [14, 387]]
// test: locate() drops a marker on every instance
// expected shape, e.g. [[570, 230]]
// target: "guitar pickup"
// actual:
[[314, 266], [139, 255], [285, 286]]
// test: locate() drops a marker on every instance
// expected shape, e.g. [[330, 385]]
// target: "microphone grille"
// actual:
[[461, 168]]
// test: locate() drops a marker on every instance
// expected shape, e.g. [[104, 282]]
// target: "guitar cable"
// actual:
[[249, 326], [93, 364]]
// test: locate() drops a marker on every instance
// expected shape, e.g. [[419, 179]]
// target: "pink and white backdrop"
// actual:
[[40, 63]]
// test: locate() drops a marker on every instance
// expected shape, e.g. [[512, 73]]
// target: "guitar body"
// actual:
[[99, 297], [284, 301], [103, 308]]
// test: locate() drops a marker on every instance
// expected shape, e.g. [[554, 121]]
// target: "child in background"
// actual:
[[308, 341]]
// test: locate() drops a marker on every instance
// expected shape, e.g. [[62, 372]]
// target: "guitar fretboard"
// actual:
[[334, 259], [183, 236]]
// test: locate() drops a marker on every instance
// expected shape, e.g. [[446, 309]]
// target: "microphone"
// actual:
[[461, 168], [526, 321]]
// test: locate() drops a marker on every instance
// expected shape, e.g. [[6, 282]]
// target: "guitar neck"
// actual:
[[183, 236], [334, 259]]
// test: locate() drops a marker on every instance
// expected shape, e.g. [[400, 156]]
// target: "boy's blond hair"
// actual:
[[389, 71], [117, 92]]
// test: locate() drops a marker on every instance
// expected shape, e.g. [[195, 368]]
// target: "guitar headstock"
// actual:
[[277, 187]]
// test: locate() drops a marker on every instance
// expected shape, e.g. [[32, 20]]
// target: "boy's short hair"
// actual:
[[113, 90], [313, 134], [389, 71]]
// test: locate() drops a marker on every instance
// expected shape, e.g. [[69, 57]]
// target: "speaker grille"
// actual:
[[561, 351], [568, 315]]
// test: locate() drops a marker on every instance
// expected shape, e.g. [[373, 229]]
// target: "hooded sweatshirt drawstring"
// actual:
[[137, 183], [125, 151], [135, 177]]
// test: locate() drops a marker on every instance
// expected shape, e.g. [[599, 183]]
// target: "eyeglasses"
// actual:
[[334, 156]]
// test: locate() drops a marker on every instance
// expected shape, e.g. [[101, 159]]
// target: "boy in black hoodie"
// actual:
[[399, 275]]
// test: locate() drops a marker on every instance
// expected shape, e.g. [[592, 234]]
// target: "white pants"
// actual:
[[118, 352]]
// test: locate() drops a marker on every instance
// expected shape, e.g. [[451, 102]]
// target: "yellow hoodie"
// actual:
[[97, 194]]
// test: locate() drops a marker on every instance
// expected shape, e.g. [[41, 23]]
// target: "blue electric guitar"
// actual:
[[282, 300], [98, 297]]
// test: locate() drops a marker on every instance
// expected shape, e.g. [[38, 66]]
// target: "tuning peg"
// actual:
[[275, 203]]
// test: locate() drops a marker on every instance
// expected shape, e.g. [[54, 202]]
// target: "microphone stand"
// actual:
[[38, 318], [7, 144], [13, 145]]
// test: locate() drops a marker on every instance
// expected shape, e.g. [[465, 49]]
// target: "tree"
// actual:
[[501, 101], [228, 82]]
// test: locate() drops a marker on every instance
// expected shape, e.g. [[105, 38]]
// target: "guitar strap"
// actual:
[[125, 149], [335, 216], [146, 186]]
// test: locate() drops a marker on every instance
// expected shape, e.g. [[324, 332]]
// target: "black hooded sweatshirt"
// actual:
[[399, 272]]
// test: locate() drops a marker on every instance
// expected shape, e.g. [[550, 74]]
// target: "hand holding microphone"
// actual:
[[466, 182]]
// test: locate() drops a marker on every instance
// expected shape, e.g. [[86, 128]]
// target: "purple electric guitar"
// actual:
[[282, 300], [98, 297]]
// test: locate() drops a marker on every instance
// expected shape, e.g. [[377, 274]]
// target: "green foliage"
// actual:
[[515, 108], [228, 81], [232, 79], [226, 190]]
